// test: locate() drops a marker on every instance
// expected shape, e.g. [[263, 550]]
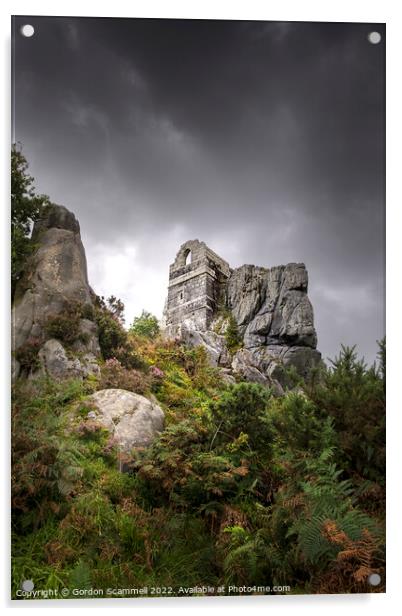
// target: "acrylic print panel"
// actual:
[[198, 308]]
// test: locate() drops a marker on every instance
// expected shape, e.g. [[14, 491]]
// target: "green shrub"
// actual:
[[242, 408], [354, 396], [27, 355], [88, 312], [299, 425], [26, 208], [146, 325], [46, 465], [241, 486], [129, 357], [63, 327], [220, 454], [109, 320], [232, 335], [66, 325]]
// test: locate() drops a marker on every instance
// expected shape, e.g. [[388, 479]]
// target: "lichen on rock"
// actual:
[[133, 420], [55, 280]]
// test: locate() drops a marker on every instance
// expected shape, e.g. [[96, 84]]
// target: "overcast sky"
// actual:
[[263, 139]]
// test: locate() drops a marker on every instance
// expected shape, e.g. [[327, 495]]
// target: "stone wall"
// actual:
[[197, 283]]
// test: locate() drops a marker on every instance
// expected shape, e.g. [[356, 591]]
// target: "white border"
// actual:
[[292, 10]]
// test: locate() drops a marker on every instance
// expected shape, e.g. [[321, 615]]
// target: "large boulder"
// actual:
[[244, 366], [133, 420], [55, 279], [271, 306], [276, 320], [55, 362], [269, 364]]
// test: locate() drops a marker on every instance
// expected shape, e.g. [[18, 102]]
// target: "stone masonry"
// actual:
[[197, 284]]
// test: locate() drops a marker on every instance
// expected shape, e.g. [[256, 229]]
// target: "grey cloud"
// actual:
[[264, 139]]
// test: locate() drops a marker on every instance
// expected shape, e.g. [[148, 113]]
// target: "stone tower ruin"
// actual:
[[197, 283]]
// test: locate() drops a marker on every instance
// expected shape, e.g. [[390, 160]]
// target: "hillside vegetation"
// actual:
[[242, 488]]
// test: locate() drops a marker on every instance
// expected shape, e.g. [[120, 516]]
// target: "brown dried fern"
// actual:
[[354, 563]]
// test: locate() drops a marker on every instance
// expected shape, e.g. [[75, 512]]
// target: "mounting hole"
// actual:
[[374, 38], [374, 579], [27, 30], [28, 585]]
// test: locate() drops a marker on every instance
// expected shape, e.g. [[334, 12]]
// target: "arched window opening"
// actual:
[[187, 257]]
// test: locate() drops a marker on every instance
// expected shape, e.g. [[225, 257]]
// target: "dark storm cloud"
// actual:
[[263, 139]]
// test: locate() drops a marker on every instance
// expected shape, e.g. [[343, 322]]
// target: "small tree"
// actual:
[[109, 319], [146, 325], [353, 395], [26, 208], [115, 307], [232, 335]]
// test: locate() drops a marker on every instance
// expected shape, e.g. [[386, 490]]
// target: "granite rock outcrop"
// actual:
[[132, 420], [55, 279], [270, 307]]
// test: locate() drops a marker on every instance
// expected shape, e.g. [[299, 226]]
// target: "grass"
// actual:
[[231, 490]]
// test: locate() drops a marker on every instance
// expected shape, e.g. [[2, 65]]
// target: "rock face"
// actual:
[[214, 344], [56, 277], [133, 420], [56, 363], [271, 305], [273, 313], [275, 318]]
